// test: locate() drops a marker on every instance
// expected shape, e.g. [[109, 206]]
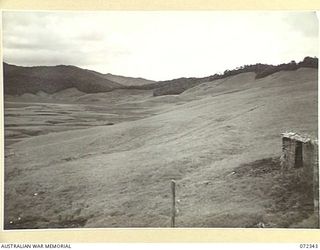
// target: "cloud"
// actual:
[[158, 45], [304, 22], [50, 39]]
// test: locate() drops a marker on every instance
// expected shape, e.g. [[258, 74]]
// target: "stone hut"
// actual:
[[297, 151], [300, 153]]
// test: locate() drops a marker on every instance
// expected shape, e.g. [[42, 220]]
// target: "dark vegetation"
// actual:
[[50, 79], [291, 197]]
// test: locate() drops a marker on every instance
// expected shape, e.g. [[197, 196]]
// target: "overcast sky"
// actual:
[[158, 45]]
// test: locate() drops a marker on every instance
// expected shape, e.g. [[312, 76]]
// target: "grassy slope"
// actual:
[[128, 81], [118, 176]]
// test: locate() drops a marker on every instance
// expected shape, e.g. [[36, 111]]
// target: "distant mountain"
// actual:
[[50, 79], [128, 81]]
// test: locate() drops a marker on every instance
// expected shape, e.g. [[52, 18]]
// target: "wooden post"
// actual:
[[173, 209]]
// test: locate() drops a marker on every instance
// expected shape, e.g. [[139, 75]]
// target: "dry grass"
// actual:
[[119, 175], [291, 198]]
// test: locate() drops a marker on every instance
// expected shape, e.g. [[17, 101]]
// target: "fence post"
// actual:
[[173, 208]]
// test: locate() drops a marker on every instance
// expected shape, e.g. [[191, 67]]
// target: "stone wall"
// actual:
[[288, 153]]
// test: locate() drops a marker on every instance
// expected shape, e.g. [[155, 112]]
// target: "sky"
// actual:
[[158, 45]]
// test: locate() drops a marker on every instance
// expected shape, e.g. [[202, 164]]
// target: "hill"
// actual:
[[219, 140], [50, 79], [128, 81], [177, 86]]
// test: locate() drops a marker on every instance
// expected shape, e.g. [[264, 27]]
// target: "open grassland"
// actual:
[[106, 159]]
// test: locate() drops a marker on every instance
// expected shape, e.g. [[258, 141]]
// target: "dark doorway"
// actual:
[[298, 161]]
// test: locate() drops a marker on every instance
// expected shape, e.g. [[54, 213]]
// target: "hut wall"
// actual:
[[289, 152]]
